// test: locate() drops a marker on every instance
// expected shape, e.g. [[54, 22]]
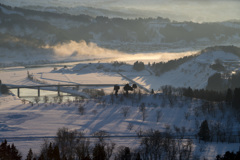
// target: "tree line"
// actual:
[[162, 67], [73, 145], [231, 97]]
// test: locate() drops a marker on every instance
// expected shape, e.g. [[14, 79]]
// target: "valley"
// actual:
[[119, 80]]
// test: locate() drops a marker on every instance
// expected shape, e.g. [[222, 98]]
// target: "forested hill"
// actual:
[[228, 49], [36, 28]]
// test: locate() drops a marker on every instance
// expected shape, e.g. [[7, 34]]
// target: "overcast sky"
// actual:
[[181, 10]]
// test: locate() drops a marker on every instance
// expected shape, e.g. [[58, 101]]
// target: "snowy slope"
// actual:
[[43, 120], [194, 73]]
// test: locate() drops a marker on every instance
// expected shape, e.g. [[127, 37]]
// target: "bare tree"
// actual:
[[45, 99], [55, 99], [24, 101], [109, 149], [139, 94], [177, 130], [37, 99], [185, 149], [123, 153], [130, 126], [186, 115], [101, 135], [66, 140], [60, 99], [81, 109], [158, 115], [142, 109], [82, 148], [139, 132], [94, 111], [153, 144], [112, 98], [183, 131], [125, 111]]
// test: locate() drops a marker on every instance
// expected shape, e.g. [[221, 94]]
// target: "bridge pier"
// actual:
[[18, 92], [38, 91], [58, 89]]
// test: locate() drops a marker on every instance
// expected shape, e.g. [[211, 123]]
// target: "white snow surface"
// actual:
[[42, 120]]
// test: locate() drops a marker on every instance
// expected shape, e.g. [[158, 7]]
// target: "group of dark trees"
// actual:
[[138, 66], [157, 145], [217, 66], [9, 152], [209, 95], [233, 98], [215, 82], [217, 132], [162, 67], [218, 83], [230, 97], [72, 145], [195, 93], [229, 156], [228, 49], [126, 88], [3, 88]]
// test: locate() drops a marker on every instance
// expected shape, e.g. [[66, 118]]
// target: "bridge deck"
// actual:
[[60, 85]]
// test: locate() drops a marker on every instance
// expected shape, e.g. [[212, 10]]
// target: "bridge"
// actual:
[[57, 86]]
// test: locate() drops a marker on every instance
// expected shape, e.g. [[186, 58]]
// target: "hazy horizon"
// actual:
[[179, 10]]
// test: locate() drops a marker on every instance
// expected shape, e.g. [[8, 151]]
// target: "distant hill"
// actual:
[[229, 49], [129, 35]]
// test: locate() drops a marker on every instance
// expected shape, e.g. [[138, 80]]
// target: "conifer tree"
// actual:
[[29, 155], [56, 154], [9, 152], [204, 132], [99, 152], [229, 96]]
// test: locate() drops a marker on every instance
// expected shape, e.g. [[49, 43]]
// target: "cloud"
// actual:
[[83, 50]]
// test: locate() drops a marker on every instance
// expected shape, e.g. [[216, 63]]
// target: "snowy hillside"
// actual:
[[194, 73]]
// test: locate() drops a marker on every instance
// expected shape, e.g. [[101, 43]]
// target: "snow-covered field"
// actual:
[[42, 120], [106, 113]]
